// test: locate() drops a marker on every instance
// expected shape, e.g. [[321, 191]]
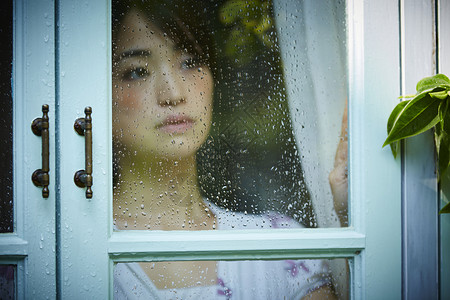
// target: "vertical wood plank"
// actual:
[[33, 86], [84, 80], [420, 194], [444, 67], [374, 174]]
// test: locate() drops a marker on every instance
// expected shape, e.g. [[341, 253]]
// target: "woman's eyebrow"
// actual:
[[134, 53]]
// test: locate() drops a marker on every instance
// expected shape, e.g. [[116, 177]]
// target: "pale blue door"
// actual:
[[64, 246], [27, 251], [89, 247]]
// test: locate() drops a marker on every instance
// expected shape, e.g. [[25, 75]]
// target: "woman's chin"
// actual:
[[178, 149], [163, 146]]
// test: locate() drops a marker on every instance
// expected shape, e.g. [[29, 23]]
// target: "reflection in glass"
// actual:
[[7, 284], [202, 130], [6, 156], [275, 279]]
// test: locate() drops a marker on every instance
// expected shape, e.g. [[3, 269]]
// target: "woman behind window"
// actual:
[[166, 68]]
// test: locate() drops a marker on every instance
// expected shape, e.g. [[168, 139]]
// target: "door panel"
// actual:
[[34, 86], [89, 246], [83, 80], [31, 245]]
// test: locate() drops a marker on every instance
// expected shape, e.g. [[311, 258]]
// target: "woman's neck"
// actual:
[[160, 194]]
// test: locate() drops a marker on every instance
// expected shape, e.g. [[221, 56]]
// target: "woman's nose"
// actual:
[[172, 90]]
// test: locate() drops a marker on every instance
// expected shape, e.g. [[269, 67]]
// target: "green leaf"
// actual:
[[442, 139], [407, 96], [395, 112], [444, 122], [432, 82], [445, 209], [231, 11], [436, 89], [443, 152], [443, 107], [445, 117], [419, 115], [441, 95], [395, 147], [437, 134]]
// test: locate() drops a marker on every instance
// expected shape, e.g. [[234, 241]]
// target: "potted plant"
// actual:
[[427, 109]]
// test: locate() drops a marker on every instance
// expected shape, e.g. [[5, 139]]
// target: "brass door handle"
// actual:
[[40, 177], [83, 126]]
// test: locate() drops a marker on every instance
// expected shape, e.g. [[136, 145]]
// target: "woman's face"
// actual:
[[162, 95]]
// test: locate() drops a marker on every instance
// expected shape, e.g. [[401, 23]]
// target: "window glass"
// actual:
[[261, 279], [6, 130], [7, 281], [213, 125]]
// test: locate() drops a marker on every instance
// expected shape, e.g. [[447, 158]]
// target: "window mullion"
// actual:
[[12, 245], [256, 244], [375, 176]]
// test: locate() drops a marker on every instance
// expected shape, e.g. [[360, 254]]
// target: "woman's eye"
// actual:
[[135, 74], [190, 63]]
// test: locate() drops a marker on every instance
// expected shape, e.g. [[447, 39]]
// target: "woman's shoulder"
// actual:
[[227, 219]]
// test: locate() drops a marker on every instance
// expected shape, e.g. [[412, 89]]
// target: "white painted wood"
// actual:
[[33, 86], [84, 71], [357, 276], [444, 67], [420, 194], [239, 244], [22, 280], [374, 174], [11, 245], [84, 80]]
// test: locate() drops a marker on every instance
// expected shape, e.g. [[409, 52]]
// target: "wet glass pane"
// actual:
[[274, 279], [6, 156], [227, 114], [7, 281]]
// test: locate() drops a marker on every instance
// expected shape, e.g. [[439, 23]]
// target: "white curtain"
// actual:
[[312, 38]]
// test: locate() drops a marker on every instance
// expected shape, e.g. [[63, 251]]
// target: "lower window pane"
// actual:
[[256, 279], [7, 284]]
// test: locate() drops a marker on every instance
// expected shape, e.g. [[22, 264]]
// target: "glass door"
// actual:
[[132, 72]]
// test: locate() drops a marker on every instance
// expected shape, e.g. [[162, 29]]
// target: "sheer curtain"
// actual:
[[313, 47]]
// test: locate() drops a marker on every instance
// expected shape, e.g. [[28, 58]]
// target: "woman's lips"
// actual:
[[176, 124]]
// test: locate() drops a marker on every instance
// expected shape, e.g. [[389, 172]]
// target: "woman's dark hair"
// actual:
[[180, 20]]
